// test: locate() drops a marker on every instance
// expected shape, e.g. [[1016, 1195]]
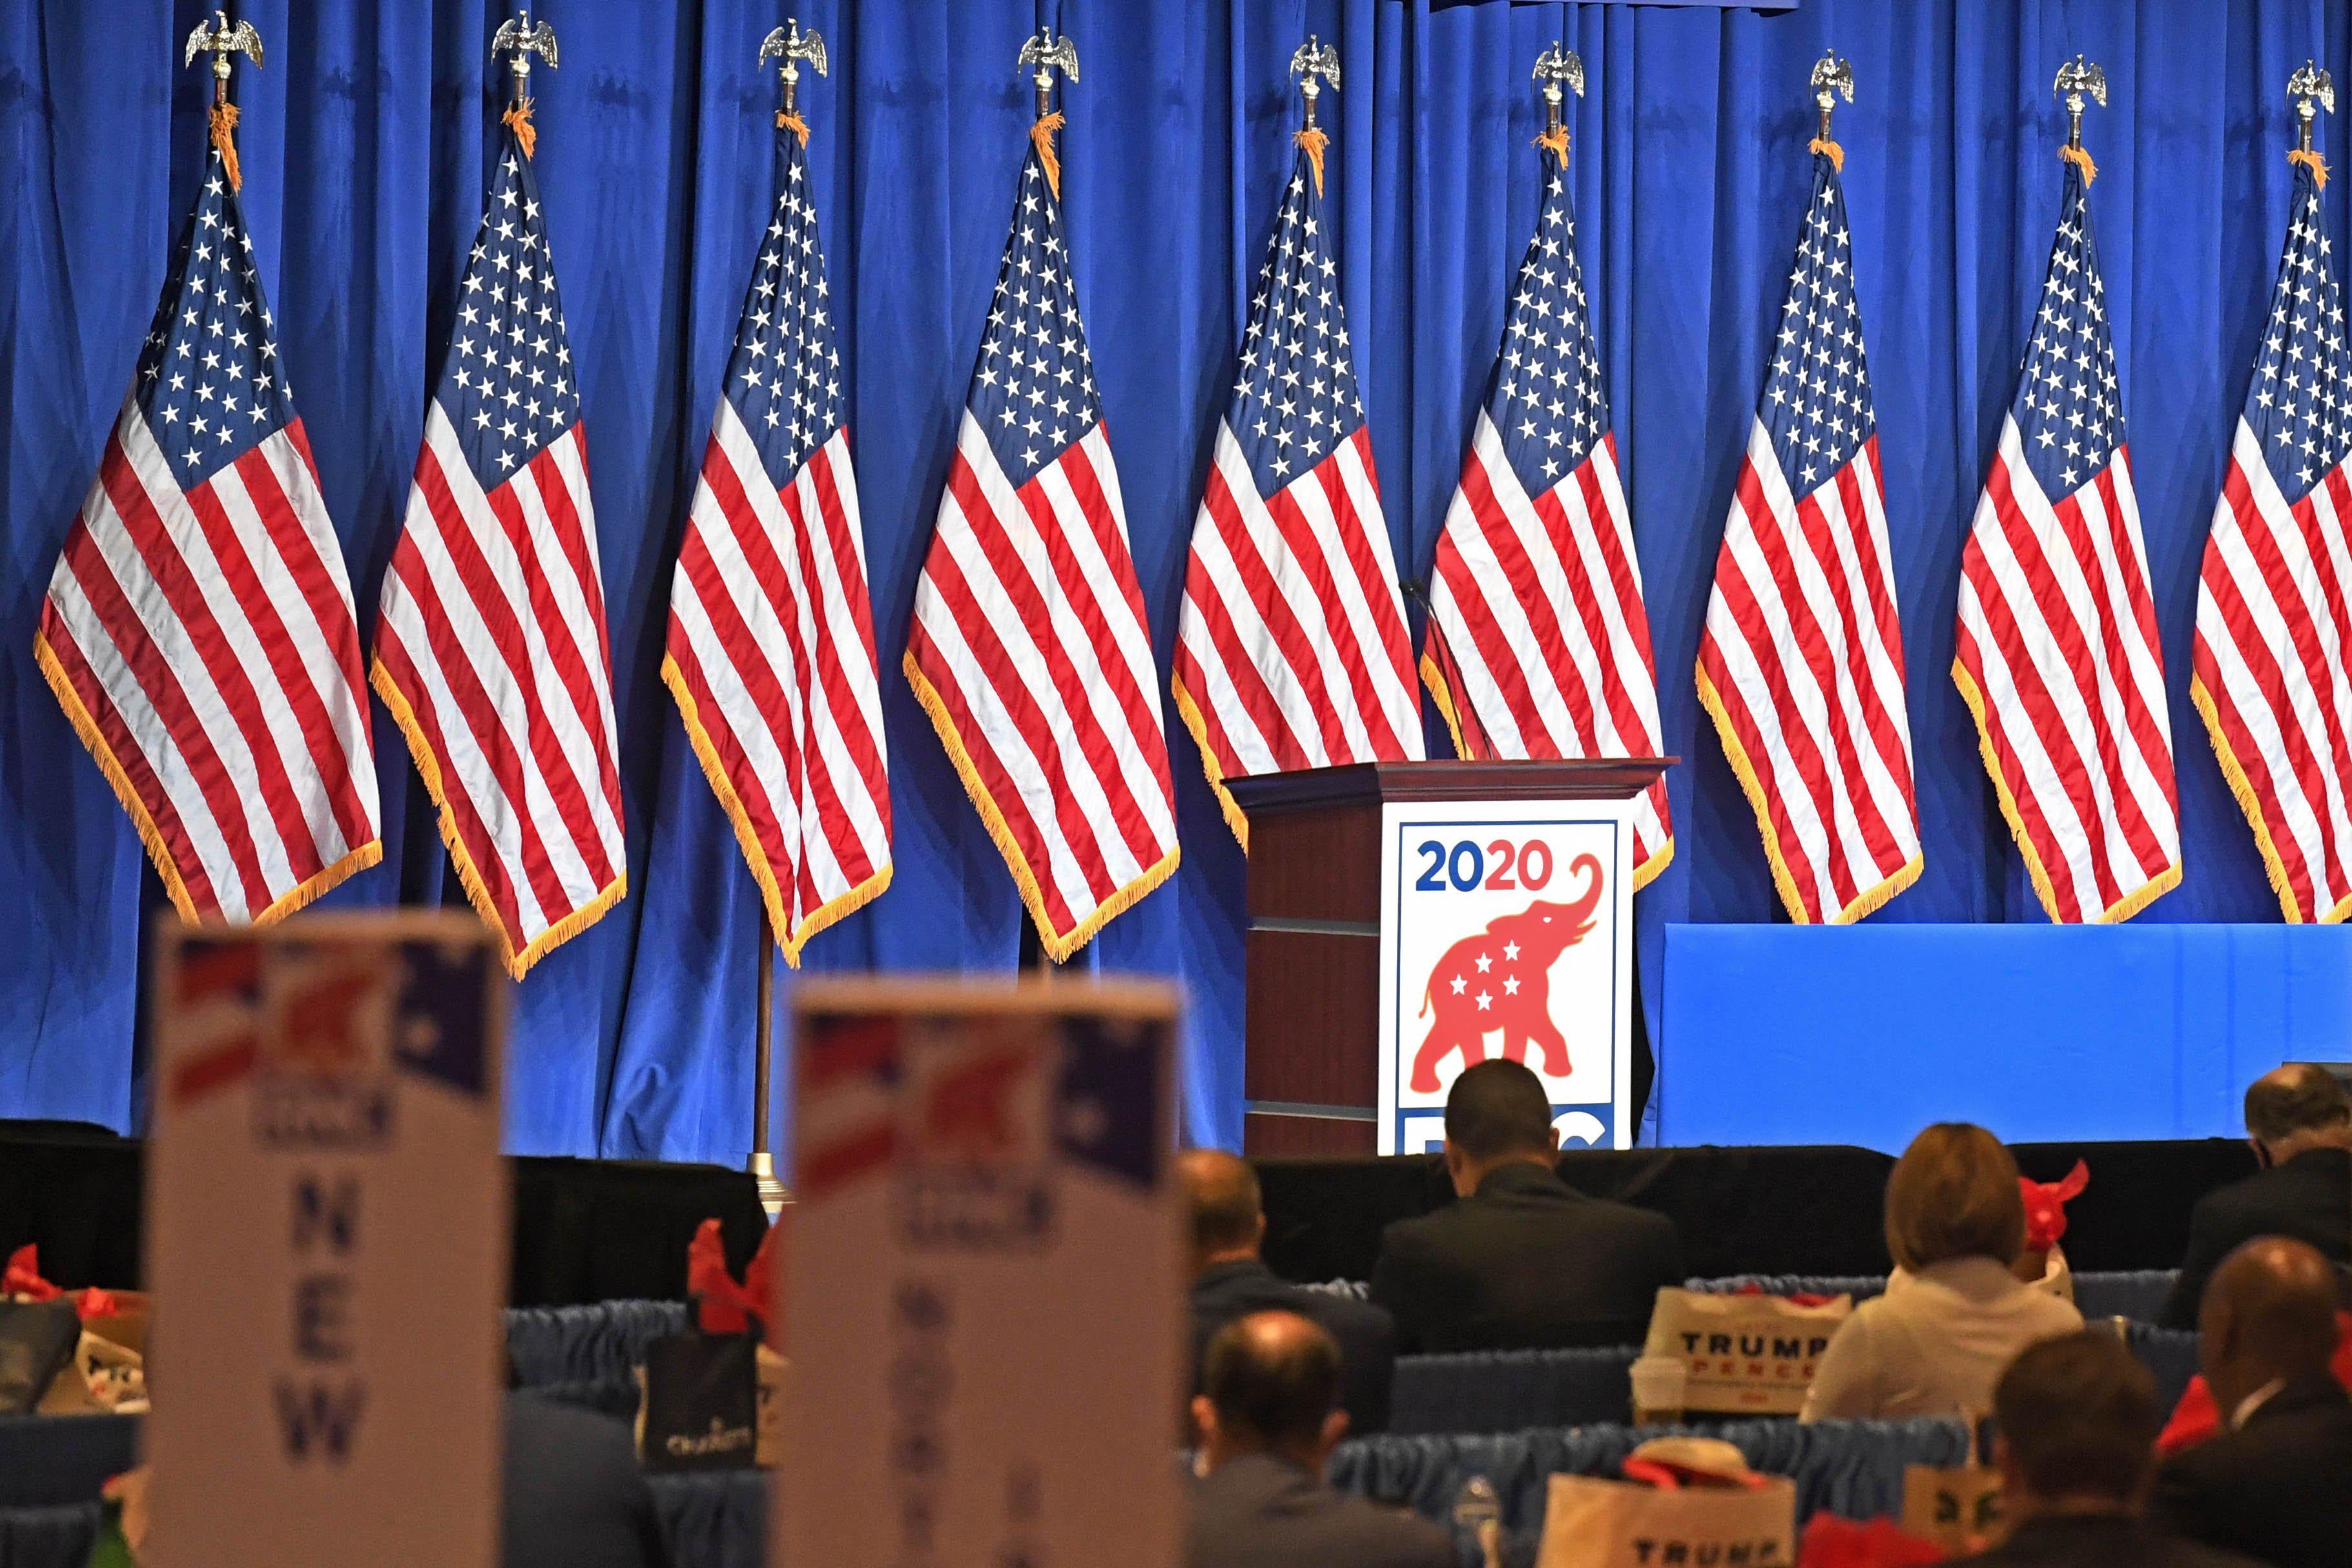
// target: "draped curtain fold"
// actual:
[[363, 142]]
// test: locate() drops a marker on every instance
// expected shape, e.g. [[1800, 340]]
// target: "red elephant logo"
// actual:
[[1501, 979]]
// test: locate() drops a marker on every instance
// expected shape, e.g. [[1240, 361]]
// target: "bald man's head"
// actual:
[[1272, 1381], [1227, 1214], [2294, 1106], [2269, 1314]]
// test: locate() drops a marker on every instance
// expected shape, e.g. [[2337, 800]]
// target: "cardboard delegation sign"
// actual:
[[984, 1291], [1746, 1354], [1959, 1508], [327, 1244], [1590, 1522]]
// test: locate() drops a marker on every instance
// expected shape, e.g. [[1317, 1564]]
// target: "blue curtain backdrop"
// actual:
[[363, 146]]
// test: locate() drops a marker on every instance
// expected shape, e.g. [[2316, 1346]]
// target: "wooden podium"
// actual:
[[1311, 1078]]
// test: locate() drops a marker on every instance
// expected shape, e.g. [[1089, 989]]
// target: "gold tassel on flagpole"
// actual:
[[1312, 142], [1836, 154], [225, 141], [518, 119], [793, 122], [2081, 156], [2314, 162], [1041, 135], [1555, 141]]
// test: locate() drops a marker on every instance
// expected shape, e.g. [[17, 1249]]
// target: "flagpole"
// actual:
[[788, 46], [763, 1163]]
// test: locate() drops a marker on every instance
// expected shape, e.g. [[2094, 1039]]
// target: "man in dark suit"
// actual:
[[1229, 1282], [2078, 1424], [1267, 1425], [1520, 1261], [2301, 1127], [574, 1495], [2276, 1483]]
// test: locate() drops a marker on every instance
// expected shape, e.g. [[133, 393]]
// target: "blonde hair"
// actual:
[[1953, 1193]]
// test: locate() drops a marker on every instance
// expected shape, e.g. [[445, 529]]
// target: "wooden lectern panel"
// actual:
[[1312, 1070]]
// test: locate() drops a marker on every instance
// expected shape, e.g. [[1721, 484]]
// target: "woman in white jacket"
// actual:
[[1936, 1342]]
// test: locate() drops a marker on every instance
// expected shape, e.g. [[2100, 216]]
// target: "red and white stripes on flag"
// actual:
[[2273, 625], [1028, 649], [1538, 644], [771, 648], [491, 645], [1293, 652], [2057, 658], [198, 629], [1800, 665]]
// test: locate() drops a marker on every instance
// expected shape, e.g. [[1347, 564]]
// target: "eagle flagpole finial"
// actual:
[[1832, 77], [519, 38], [1044, 55], [1556, 65], [1315, 57], [224, 39], [2312, 90], [2079, 79], [792, 44]]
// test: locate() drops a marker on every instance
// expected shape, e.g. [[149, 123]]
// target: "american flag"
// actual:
[[2058, 657], [198, 629], [1538, 644], [1292, 651], [2272, 622], [1028, 649], [1801, 661], [771, 630], [491, 647]]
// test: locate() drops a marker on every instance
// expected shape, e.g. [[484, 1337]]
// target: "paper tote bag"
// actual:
[[1590, 1522], [1752, 1355]]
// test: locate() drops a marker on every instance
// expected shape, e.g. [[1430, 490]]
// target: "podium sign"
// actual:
[[983, 1292], [327, 1244], [1506, 929]]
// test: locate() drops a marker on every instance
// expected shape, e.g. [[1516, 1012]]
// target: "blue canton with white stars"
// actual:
[[1296, 400], [1816, 403], [2299, 404], [209, 380], [2069, 409], [508, 385], [1547, 401], [1033, 392], [784, 377]]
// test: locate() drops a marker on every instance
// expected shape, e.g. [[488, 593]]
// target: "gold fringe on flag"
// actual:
[[1824, 145], [2081, 156], [2314, 162], [225, 138], [1555, 141], [794, 123], [1313, 143], [518, 119], [1041, 135]]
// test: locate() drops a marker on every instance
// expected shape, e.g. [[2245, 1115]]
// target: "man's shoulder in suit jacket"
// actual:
[[1525, 1263], [1261, 1511], [2279, 1488], [1367, 1334], [2308, 1198]]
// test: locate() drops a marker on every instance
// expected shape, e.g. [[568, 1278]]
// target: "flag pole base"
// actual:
[[774, 1194]]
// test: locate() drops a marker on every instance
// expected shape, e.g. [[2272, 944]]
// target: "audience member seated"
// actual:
[[2301, 1127], [1936, 1342], [1229, 1282], [1268, 1423], [2276, 1482], [575, 1497], [1520, 1261], [2078, 1422]]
